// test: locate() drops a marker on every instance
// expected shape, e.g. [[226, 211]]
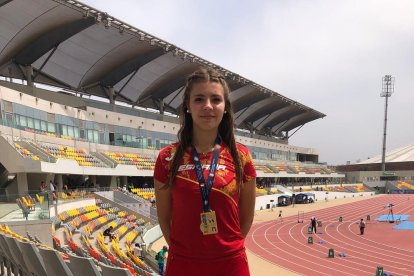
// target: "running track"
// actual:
[[285, 243]]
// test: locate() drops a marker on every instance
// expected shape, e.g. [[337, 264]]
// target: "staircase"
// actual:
[[36, 151]]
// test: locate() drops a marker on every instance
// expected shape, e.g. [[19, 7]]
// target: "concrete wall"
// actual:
[[152, 235], [10, 158], [262, 201], [40, 228]]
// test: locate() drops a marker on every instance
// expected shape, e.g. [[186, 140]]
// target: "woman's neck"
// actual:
[[204, 141]]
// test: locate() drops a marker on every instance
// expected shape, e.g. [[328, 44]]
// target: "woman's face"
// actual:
[[206, 105]]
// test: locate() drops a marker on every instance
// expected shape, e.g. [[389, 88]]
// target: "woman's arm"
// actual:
[[246, 205], [163, 203]]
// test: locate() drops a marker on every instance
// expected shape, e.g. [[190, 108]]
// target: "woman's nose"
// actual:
[[208, 104]]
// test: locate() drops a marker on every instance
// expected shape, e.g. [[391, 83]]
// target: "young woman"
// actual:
[[205, 185]]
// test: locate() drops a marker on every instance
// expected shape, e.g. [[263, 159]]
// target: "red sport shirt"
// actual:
[[187, 240]]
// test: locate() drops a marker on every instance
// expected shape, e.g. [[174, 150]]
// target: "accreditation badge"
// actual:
[[208, 224]]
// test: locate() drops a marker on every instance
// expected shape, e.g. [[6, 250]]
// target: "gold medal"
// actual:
[[208, 224]]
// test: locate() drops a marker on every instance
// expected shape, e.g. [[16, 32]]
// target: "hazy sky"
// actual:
[[329, 55]]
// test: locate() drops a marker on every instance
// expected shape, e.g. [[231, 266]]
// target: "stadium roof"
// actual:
[[402, 154], [73, 46]]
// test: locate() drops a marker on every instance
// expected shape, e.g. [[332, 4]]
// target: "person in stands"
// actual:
[[42, 187], [52, 188], [161, 259], [205, 184], [138, 250], [108, 233]]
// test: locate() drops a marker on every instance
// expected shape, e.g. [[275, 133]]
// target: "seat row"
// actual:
[[146, 193], [65, 215], [124, 225], [143, 161], [27, 258], [121, 226], [404, 185], [79, 155], [26, 204], [295, 169], [25, 152]]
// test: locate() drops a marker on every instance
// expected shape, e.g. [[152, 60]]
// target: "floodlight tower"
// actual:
[[387, 90]]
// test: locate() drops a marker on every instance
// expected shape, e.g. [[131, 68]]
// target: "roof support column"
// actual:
[[111, 97], [29, 75], [161, 105], [251, 128]]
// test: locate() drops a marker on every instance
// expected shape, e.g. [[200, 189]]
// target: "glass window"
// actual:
[[17, 118], [70, 131], [37, 124], [69, 121], [102, 138], [43, 126], [30, 112], [63, 120], [144, 143], [95, 136], [30, 123], [51, 127], [43, 115], [23, 121], [17, 108], [64, 130], [36, 114], [76, 131], [9, 119], [90, 135]]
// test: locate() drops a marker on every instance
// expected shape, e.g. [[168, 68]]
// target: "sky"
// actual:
[[329, 55]]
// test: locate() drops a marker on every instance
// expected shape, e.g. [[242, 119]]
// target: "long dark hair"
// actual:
[[225, 129]]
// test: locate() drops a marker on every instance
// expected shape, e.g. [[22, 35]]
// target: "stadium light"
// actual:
[[387, 90]]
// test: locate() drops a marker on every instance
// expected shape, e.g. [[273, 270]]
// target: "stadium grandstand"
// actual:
[[86, 103], [398, 176]]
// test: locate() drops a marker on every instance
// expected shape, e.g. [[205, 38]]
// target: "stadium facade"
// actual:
[[399, 166]]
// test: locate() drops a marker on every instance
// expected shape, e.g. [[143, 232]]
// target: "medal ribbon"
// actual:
[[205, 187]]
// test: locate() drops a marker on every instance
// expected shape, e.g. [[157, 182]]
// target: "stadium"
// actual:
[[86, 104], [397, 176]]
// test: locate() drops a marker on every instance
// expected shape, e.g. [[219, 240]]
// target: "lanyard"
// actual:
[[205, 187]]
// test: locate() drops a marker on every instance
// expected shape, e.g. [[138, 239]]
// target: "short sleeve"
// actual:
[[249, 172], [163, 164]]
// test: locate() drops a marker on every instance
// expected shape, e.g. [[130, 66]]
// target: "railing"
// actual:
[[36, 205], [133, 204], [24, 207]]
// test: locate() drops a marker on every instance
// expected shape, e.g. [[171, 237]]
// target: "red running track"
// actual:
[[286, 243]]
